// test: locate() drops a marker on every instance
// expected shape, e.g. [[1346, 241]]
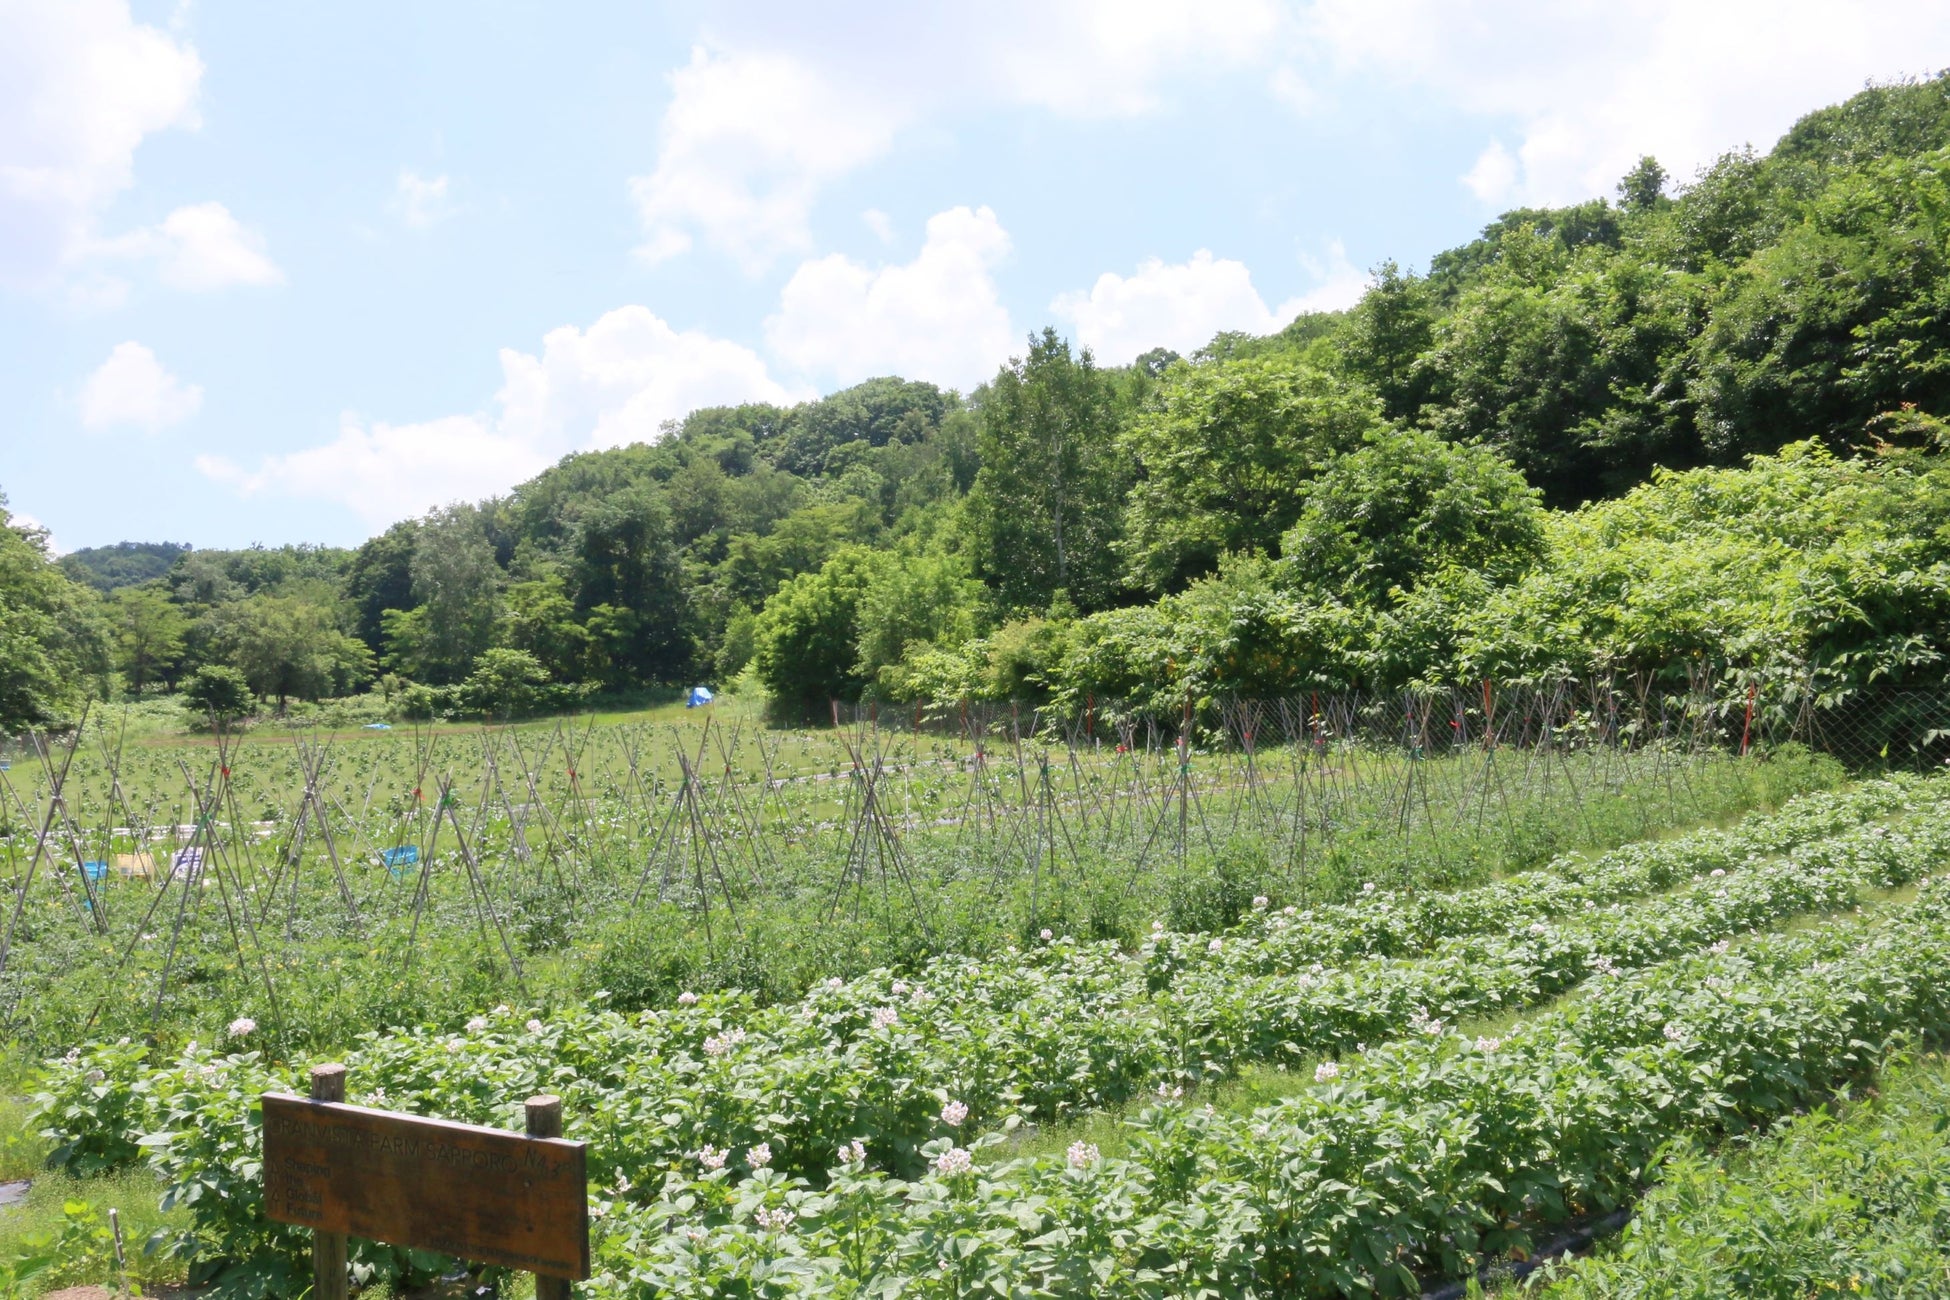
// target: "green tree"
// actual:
[[1386, 333], [1817, 574], [877, 412], [738, 645], [506, 682], [149, 633], [125, 564], [1847, 315], [629, 584], [380, 578], [755, 564], [288, 645], [1519, 364], [218, 691], [914, 601], [49, 641], [538, 617], [457, 590], [1244, 634], [1644, 187], [1407, 504], [806, 642], [1224, 452], [1047, 507], [1727, 214]]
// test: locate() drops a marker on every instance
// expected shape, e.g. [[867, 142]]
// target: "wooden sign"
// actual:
[[478, 1194]]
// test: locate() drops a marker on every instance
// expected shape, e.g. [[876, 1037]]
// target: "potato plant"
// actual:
[[1420, 1159], [901, 1070]]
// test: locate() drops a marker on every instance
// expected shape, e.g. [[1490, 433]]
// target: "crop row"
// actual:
[[1422, 1159], [894, 1073], [895, 1067], [1393, 924], [1275, 1018]]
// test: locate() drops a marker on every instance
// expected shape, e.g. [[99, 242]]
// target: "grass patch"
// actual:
[[1852, 1199], [36, 1226], [133, 1193]]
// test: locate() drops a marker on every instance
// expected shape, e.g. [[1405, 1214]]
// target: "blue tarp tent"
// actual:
[[699, 695]]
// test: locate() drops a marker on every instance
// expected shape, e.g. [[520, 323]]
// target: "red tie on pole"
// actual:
[[1747, 727]]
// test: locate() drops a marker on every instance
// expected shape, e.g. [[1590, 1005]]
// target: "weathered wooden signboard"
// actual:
[[478, 1194]]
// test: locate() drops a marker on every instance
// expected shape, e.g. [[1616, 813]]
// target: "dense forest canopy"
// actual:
[[1687, 421], [125, 564]]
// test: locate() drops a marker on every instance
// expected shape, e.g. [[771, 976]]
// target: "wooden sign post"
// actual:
[[327, 1248], [545, 1121], [478, 1194]]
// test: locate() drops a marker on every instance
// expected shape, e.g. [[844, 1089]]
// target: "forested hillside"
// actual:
[[1691, 423]]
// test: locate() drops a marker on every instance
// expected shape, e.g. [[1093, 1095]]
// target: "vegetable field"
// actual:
[[1363, 1091]]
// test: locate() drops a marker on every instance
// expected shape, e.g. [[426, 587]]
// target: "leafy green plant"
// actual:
[[92, 1108], [81, 1249]]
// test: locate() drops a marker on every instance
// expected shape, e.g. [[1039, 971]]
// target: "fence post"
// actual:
[[328, 1277], [545, 1121], [1747, 727]]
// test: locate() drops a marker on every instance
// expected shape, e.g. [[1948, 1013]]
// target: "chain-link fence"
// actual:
[[1875, 727]]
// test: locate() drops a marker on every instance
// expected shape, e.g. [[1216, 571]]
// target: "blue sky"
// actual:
[[290, 272]]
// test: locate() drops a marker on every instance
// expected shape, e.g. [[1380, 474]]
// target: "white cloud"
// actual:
[[1293, 90], [746, 143], [133, 388], [1108, 58], [616, 382], [1177, 306], [880, 223], [939, 317], [1181, 305], [1494, 175], [621, 379], [385, 472], [201, 248], [1586, 89], [421, 201], [27, 523], [781, 100], [81, 85], [1338, 283]]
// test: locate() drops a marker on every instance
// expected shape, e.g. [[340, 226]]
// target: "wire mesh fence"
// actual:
[[1906, 726]]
